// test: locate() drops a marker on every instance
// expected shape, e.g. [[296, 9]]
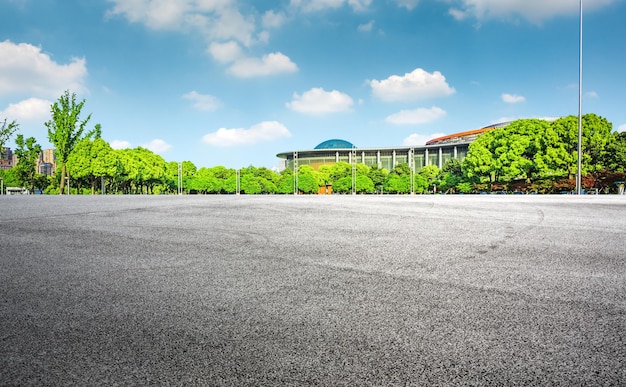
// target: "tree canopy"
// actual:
[[66, 129]]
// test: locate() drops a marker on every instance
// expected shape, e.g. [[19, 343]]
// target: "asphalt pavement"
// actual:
[[313, 290]]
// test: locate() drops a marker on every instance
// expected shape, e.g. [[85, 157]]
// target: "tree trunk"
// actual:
[[62, 186]]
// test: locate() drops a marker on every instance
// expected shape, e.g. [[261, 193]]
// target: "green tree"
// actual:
[[340, 170], [249, 184], [343, 185], [307, 183], [399, 179], [615, 157], [420, 184], [65, 129], [478, 165], [6, 131], [93, 161], [377, 176], [364, 184], [450, 175], [9, 178], [27, 152], [285, 183], [104, 164]]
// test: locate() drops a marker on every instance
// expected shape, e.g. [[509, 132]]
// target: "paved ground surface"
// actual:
[[340, 290]]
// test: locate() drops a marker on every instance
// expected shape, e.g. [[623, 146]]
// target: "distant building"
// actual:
[[6, 159], [436, 152], [46, 163]]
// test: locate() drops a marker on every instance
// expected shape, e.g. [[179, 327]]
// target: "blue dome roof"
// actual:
[[335, 144]]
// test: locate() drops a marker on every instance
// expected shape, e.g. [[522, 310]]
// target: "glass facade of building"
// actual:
[[386, 158]]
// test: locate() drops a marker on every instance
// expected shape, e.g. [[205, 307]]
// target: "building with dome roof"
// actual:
[[435, 152], [335, 144]]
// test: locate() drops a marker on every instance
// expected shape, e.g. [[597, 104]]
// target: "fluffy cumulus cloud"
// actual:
[[420, 139], [203, 102], [269, 64], [225, 52], [25, 69], [273, 19], [418, 84], [157, 146], [30, 110], [262, 132], [120, 144], [416, 116], [320, 5], [513, 98], [622, 128], [533, 10], [214, 19], [227, 30], [319, 101]]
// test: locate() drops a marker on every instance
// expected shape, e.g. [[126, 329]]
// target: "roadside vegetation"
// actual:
[[527, 156]]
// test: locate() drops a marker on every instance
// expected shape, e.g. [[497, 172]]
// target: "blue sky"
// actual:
[[234, 82]]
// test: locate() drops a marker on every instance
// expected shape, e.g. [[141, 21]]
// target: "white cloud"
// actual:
[[157, 146], [321, 5], [319, 101], [272, 19], [408, 4], [29, 110], [420, 139], [120, 144], [533, 10], [360, 5], [24, 69], [418, 84], [592, 94], [204, 102], [416, 116], [366, 27], [231, 24], [269, 64], [315, 5], [457, 14], [215, 19], [225, 52], [622, 128], [264, 131], [513, 98]]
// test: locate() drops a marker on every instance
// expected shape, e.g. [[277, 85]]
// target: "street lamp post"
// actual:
[[1, 186], [353, 159], [238, 182], [180, 178], [580, 101], [295, 173]]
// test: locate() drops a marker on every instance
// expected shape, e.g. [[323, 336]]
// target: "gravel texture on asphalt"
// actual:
[[313, 290]]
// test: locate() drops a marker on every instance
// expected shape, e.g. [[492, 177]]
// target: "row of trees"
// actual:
[[527, 155], [542, 156]]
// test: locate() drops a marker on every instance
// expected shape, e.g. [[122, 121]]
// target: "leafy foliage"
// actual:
[[6, 131], [65, 129], [26, 169]]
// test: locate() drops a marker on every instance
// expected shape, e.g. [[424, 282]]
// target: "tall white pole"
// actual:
[[580, 103], [180, 178]]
